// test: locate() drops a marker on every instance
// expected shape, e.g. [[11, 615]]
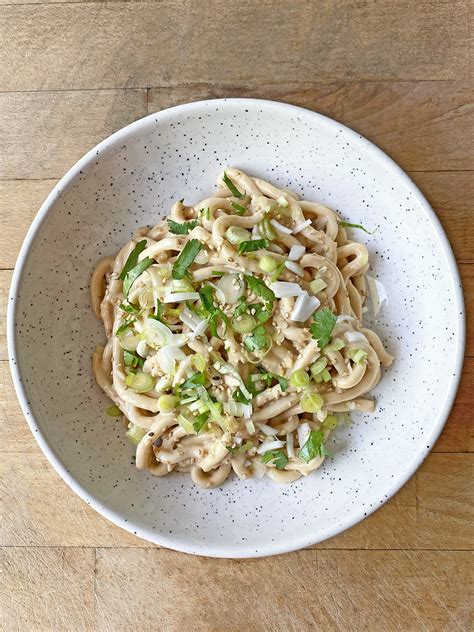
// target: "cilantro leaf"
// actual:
[[349, 225], [252, 245], [267, 377], [232, 188], [200, 421], [132, 259], [133, 274], [181, 229], [278, 457], [240, 210], [321, 328], [314, 447], [258, 287], [195, 380], [124, 326], [132, 360], [261, 313], [207, 298], [130, 308], [213, 312], [240, 397], [257, 340], [185, 259], [240, 449]]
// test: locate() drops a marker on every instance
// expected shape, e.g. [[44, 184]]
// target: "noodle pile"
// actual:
[[235, 336]]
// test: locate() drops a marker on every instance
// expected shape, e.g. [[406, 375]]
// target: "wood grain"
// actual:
[[61, 128], [311, 590], [400, 73], [422, 125], [47, 590], [171, 43]]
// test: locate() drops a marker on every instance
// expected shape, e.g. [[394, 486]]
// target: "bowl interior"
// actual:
[[131, 180]]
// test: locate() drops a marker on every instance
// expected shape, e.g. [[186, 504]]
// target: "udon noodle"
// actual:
[[234, 334]]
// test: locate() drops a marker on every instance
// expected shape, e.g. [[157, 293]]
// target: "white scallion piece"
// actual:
[[143, 349], [233, 408], [246, 411], [232, 287], [200, 329], [299, 227], [187, 318], [179, 297], [305, 305], [303, 431], [290, 448], [268, 430], [270, 445], [296, 252], [279, 227], [219, 293], [250, 426], [168, 356], [156, 334], [294, 267], [377, 294], [284, 289], [282, 201]]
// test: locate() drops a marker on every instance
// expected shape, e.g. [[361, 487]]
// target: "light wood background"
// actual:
[[401, 73]]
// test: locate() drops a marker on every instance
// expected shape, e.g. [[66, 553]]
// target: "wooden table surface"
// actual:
[[401, 73]]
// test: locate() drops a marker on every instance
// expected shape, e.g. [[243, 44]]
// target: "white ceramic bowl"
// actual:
[[130, 180]]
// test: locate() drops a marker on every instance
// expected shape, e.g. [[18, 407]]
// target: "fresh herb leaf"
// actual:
[[267, 376], [200, 421], [278, 457], [240, 210], [130, 308], [232, 188], [159, 309], [252, 245], [195, 380], [349, 225], [258, 287], [132, 360], [133, 274], [321, 328], [217, 273], [132, 259], [314, 447], [240, 449], [258, 340], [261, 313], [181, 229], [207, 298], [242, 308], [240, 397], [214, 314], [124, 326], [185, 259]]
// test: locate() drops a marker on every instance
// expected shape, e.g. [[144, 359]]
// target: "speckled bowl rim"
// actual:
[[180, 543]]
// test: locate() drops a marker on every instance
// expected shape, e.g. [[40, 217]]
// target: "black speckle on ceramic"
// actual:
[[130, 181]]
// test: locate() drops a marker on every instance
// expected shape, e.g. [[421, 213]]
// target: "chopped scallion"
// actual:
[[232, 188]]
